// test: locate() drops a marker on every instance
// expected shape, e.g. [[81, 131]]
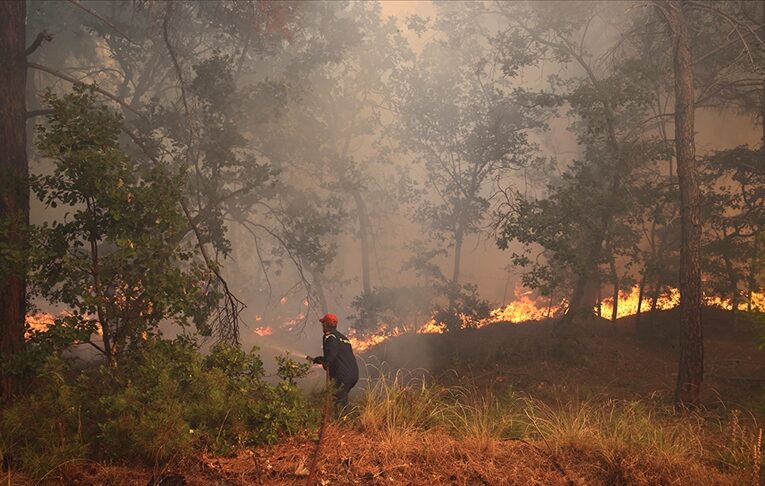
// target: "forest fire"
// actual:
[[525, 308], [263, 331], [628, 302], [39, 322]]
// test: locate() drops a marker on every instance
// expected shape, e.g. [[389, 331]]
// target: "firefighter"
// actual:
[[338, 360]]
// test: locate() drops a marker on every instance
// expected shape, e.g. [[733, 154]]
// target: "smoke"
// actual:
[[318, 111]]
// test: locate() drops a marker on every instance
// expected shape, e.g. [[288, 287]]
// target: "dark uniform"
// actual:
[[339, 360]]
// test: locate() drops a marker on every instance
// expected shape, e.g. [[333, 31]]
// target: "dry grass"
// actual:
[[408, 430]]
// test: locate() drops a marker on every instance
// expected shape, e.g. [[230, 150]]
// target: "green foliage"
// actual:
[[733, 198], [43, 429], [465, 308], [116, 258], [163, 403], [396, 307]]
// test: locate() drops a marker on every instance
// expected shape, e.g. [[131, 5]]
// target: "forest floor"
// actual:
[[596, 365]]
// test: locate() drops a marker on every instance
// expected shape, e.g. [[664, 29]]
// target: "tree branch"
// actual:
[[72, 80], [41, 37], [34, 113]]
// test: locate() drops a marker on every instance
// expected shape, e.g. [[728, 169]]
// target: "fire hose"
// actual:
[[311, 480]]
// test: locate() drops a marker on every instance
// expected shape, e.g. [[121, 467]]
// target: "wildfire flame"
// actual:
[[263, 331], [39, 321], [628, 302], [525, 308]]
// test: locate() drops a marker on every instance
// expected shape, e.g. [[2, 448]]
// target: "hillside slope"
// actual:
[[596, 359]]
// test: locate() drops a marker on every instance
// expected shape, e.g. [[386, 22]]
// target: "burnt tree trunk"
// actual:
[[600, 301], [732, 288], [14, 192], [751, 281], [691, 367]]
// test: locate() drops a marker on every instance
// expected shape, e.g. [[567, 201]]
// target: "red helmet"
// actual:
[[329, 320]]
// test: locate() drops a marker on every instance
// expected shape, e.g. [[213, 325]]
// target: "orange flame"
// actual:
[[628, 302], [524, 308], [263, 331], [39, 321]]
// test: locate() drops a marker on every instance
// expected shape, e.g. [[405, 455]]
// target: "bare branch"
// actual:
[[43, 36], [34, 113], [72, 80]]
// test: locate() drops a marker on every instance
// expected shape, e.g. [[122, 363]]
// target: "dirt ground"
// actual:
[[350, 458]]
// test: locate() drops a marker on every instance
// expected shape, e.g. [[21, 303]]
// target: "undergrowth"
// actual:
[[399, 406], [166, 402]]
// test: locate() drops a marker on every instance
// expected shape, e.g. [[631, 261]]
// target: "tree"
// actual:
[[330, 141], [467, 122], [116, 259], [14, 192], [733, 195], [691, 368]]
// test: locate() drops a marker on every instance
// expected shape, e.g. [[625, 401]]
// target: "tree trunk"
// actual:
[[733, 289], [364, 230], [691, 367], [751, 282], [14, 172], [615, 294], [640, 328], [585, 291], [600, 301], [318, 286], [459, 236]]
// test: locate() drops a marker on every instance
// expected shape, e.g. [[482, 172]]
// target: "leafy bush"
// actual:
[[166, 401], [396, 307], [465, 308], [119, 259]]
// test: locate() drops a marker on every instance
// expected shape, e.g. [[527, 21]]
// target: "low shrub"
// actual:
[[164, 402]]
